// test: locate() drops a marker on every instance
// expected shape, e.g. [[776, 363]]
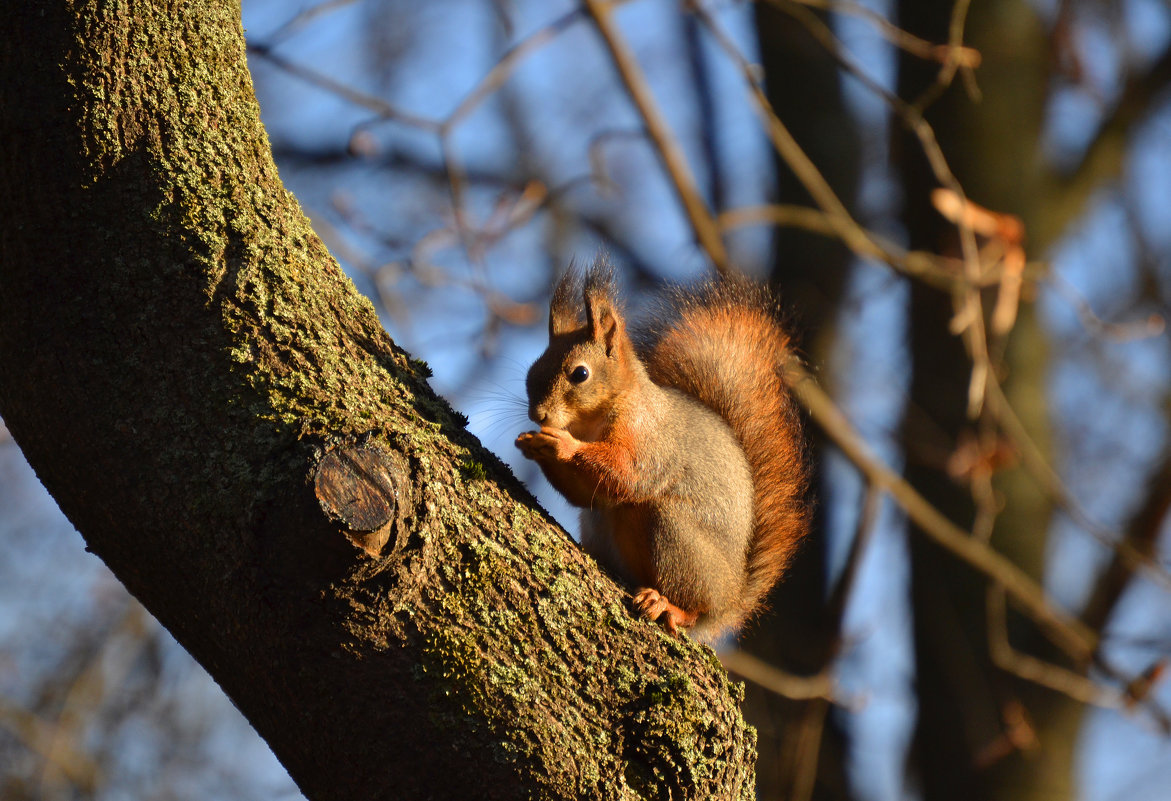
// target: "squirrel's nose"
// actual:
[[538, 415]]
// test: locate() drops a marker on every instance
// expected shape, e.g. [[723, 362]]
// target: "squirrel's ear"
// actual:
[[563, 310], [602, 318]]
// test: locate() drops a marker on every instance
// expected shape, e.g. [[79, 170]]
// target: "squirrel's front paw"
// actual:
[[652, 605], [548, 444]]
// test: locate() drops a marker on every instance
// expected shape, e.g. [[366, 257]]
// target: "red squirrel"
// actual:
[[680, 443]]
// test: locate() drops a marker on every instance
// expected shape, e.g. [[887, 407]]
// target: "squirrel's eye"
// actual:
[[579, 374]]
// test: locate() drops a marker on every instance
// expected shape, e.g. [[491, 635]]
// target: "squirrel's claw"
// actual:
[[525, 443], [652, 605]]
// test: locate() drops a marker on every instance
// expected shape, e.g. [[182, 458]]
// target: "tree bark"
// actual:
[[219, 413]]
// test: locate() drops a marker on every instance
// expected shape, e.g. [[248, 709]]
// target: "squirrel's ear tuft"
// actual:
[[564, 311], [602, 315]]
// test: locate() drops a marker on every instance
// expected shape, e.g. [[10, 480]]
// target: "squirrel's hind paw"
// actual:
[[652, 605]]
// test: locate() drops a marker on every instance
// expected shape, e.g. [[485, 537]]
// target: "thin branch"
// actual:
[[304, 17], [668, 147], [1029, 668], [1079, 641], [384, 110], [507, 63], [596, 154], [909, 114], [1152, 326], [1069, 192], [44, 739], [840, 596], [843, 225], [946, 75], [969, 317], [1132, 553], [788, 685], [1135, 550], [1134, 693], [1066, 631], [904, 40], [938, 271], [489, 84], [1136, 103]]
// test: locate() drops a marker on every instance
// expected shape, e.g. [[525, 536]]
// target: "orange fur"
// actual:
[[725, 347]]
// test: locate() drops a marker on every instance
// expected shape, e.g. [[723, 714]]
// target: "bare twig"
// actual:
[[969, 316], [916, 46], [1133, 692], [842, 224], [675, 162], [1135, 551], [1066, 631], [488, 85], [507, 64], [599, 174], [941, 272], [304, 17], [1127, 555], [938, 271], [1079, 641], [46, 741], [808, 750], [776, 680], [377, 105], [836, 605], [1152, 326], [1029, 668], [946, 75]]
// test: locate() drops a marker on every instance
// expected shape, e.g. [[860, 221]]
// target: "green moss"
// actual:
[[421, 368], [473, 471], [456, 670], [625, 679], [713, 662], [641, 780]]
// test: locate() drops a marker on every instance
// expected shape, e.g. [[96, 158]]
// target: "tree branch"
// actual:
[[1070, 634], [1139, 543], [660, 133], [217, 410], [1103, 160]]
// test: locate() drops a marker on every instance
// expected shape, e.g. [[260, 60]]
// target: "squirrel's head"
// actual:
[[574, 384]]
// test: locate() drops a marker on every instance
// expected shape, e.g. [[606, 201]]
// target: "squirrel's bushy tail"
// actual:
[[723, 344]]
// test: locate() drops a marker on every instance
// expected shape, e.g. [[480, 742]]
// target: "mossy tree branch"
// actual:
[[193, 379]]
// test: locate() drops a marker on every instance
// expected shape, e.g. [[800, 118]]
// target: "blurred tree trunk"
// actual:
[[970, 741], [218, 411], [810, 273]]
